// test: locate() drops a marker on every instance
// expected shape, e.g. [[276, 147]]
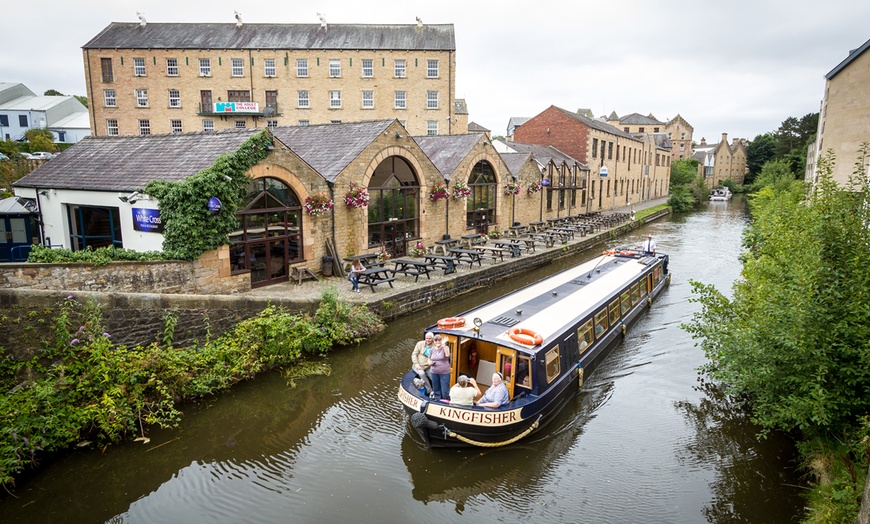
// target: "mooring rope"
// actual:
[[495, 444]]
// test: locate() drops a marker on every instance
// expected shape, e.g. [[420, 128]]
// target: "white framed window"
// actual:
[[171, 67], [109, 98], [175, 124], [334, 68], [240, 124], [269, 67], [302, 99], [208, 125], [432, 127], [302, 67], [205, 67], [399, 69], [238, 67], [144, 127], [431, 68], [138, 67], [304, 123], [431, 99], [271, 124], [174, 98], [368, 68], [335, 99], [368, 99], [400, 100], [112, 127], [141, 98]]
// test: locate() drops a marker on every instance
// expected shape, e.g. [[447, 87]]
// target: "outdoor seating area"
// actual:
[[448, 255]]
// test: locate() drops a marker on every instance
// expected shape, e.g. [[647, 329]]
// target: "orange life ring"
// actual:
[[451, 322], [626, 253], [609, 252], [525, 336]]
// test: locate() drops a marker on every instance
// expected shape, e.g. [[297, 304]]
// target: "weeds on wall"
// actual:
[[83, 387]]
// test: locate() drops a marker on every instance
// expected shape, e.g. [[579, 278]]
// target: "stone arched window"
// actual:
[[480, 205], [269, 237], [394, 206]]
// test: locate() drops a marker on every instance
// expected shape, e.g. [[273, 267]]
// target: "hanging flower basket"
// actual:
[[534, 187], [511, 188], [418, 250], [438, 192], [461, 190], [358, 196], [317, 204]]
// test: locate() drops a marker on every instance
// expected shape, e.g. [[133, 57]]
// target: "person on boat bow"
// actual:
[[649, 247], [420, 360], [497, 394]]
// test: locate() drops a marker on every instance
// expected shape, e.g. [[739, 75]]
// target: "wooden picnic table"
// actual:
[[491, 252], [367, 260], [536, 226], [408, 266], [471, 255], [375, 276], [511, 245], [516, 231], [443, 246], [472, 239], [547, 239], [448, 263]]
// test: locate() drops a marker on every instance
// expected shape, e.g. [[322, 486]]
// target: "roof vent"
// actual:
[[505, 321]]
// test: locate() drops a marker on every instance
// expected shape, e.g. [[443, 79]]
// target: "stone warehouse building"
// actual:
[[844, 116], [723, 161], [625, 167], [92, 195], [156, 78]]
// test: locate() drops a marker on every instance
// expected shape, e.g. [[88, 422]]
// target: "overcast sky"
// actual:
[[734, 66]]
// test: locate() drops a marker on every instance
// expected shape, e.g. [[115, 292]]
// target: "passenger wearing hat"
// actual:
[[649, 247], [464, 392]]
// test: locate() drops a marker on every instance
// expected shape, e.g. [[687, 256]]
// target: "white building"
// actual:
[[21, 110]]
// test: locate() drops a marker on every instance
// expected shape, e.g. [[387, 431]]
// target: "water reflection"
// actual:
[[639, 444]]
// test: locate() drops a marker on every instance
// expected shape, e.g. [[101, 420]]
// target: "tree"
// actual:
[[758, 152], [684, 175], [82, 99], [794, 341], [52, 92], [40, 139]]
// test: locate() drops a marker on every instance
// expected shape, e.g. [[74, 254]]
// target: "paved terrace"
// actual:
[[407, 296]]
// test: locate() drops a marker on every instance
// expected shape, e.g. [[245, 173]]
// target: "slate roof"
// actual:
[[637, 119], [515, 161], [122, 35], [853, 54], [330, 148], [127, 163], [447, 151], [595, 124], [544, 154]]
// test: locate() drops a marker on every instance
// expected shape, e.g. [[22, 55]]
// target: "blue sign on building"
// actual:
[[147, 220], [214, 205]]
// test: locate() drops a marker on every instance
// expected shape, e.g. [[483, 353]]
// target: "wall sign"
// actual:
[[147, 220], [236, 107], [214, 205], [603, 171]]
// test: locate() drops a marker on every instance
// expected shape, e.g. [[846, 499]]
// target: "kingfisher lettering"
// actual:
[[467, 416], [409, 400]]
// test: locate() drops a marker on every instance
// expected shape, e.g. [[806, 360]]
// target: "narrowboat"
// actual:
[[543, 338]]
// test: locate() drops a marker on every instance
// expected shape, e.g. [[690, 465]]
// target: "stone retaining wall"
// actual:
[[138, 318]]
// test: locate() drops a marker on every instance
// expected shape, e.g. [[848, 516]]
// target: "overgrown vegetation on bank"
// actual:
[[793, 344], [83, 386]]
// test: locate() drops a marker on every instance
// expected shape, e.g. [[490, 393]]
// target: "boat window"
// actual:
[[635, 293], [625, 303], [614, 312], [584, 336], [553, 364], [600, 323], [524, 378], [644, 287]]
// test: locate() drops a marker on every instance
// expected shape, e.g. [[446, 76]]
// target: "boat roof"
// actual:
[[549, 305]]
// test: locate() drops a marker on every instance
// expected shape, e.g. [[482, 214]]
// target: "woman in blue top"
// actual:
[[497, 394]]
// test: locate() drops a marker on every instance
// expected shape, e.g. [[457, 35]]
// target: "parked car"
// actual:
[[25, 156], [41, 155]]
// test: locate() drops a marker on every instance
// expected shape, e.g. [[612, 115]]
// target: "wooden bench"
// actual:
[[447, 263], [375, 276], [493, 253], [301, 273], [467, 254]]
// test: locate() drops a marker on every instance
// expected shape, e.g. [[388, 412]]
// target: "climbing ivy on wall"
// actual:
[[189, 228]]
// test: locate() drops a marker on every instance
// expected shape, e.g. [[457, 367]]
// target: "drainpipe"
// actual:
[[41, 218], [331, 186], [447, 214]]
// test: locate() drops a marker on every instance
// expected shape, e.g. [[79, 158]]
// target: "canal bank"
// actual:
[[139, 318]]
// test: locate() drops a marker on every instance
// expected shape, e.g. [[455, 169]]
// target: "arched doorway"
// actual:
[[480, 206], [394, 206], [269, 237]]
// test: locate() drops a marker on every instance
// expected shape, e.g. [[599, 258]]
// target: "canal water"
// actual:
[[641, 443]]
